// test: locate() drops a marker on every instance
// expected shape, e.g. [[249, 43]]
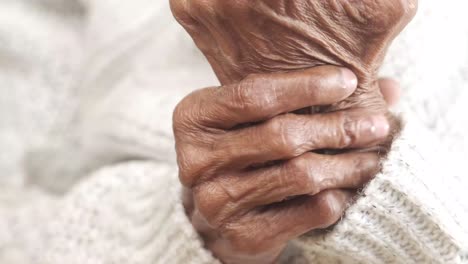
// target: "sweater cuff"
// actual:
[[400, 217], [130, 213]]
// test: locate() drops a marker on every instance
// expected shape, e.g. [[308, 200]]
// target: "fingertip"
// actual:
[[391, 91], [364, 131], [369, 166], [380, 126], [349, 80], [335, 83]]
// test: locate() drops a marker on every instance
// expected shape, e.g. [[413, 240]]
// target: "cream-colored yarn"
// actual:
[[103, 181], [136, 217], [408, 214]]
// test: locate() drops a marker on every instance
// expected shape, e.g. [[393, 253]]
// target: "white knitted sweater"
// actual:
[[87, 168]]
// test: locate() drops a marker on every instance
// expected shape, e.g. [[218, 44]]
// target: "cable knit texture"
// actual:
[[88, 174]]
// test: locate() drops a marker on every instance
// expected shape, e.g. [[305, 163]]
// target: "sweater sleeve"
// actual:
[[128, 213], [412, 212]]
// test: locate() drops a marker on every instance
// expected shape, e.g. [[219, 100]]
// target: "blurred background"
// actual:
[[54, 54], [65, 64]]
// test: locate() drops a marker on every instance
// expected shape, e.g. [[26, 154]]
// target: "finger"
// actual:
[[390, 90], [290, 219], [310, 212], [289, 136], [262, 96], [308, 174]]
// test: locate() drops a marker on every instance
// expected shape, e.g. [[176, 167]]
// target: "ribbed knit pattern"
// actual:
[[129, 213], [99, 184]]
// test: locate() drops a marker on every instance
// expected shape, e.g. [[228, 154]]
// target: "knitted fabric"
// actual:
[[89, 176]]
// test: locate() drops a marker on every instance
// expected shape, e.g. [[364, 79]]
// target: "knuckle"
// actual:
[[240, 241], [256, 94], [208, 201], [242, 95], [178, 6], [178, 115], [188, 176], [184, 114], [182, 11], [246, 238], [187, 166], [285, 133], [301, 175], [190, 111], [185, 178], [194, 163], [403, 11], [346, 133]]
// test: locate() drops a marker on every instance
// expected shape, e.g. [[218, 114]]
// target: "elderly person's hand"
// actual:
[[252, 180], [241, 37]]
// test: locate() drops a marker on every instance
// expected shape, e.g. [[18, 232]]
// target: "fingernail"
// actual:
[[375, 127], [350, 79]]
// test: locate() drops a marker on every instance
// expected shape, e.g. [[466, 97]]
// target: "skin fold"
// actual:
[[244, 150]]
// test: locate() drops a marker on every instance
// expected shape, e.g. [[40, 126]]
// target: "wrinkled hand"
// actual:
[[241, 37], [245, 159]]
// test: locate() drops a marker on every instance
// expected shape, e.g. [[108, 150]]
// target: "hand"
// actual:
[[252, 181], [242, 37]]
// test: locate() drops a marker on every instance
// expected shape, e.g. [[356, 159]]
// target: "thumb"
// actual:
[[391, 91]]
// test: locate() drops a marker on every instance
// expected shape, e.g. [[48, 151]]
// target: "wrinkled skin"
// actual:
[[245, 40], [252, 182], [243, 37]]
